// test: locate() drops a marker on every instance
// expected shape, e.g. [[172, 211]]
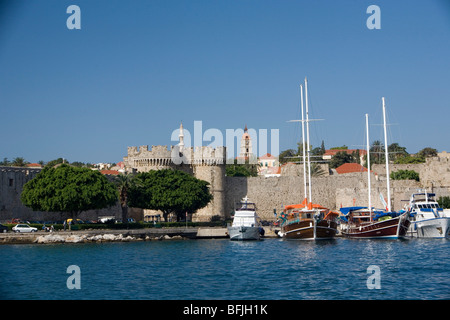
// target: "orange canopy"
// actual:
[[304, 204]]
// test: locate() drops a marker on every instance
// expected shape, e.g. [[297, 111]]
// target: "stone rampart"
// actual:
[[12, 180]]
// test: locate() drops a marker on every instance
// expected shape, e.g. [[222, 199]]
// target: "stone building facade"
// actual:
[[205, 163], [269, 193], [12, 180]]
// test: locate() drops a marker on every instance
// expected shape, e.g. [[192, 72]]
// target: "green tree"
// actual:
[[409, 159], [427, 152], [316, 170], [340, 158], [170, 191], [444, 202], [68, 189], [124, 183], [18, 162], [344, 147], [5, 162], [286, 156], [322, 148], [241, 170], [377, 153], [53, 163], [396, 151], [404, 175]]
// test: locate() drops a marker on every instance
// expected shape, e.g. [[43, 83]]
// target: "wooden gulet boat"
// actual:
[[364, 222], [307, 221]]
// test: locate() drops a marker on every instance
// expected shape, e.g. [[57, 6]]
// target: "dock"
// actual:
[[102, 235]]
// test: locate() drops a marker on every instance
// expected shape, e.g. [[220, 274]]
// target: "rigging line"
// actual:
[[313, 112]]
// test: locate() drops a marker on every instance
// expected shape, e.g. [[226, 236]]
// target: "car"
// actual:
[[76, 221], [23, 228], [3, 228]]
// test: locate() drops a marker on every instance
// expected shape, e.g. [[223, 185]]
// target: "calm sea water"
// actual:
[[220, 269]]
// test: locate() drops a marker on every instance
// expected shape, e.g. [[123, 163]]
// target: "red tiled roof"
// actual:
[[113, 172], [267, 156], [350, 167], [34, 165]]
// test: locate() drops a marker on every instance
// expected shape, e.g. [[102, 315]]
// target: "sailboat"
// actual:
[[364, 222], [307, 221]]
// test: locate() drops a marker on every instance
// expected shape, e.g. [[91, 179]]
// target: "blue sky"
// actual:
[[137, 68]]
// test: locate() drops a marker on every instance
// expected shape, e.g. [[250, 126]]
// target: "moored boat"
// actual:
[[246, 223], [371, 224], [364, 222], [307, 221], [428, 220]]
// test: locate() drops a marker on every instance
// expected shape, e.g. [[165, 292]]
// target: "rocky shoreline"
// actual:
[[90, 236], [108, 237]]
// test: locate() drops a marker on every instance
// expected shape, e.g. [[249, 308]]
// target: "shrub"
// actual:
[[405, 175]]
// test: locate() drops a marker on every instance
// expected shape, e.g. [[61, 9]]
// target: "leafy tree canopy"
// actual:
[[169, 191], [405, 175], [68, 189], [340, 158], [241, 170], [444, 202], [427, 152]]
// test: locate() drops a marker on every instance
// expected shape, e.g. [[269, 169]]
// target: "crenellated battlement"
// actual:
[[143, 158], [204, 162]]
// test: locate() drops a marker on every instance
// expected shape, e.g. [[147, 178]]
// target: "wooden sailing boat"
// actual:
[[307, 221], [366, 223]]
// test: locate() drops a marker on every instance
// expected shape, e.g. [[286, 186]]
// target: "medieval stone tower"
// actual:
[[205, 163], [246, 151]]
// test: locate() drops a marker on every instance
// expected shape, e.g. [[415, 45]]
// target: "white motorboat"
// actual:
[[428, 220], [246, 223]]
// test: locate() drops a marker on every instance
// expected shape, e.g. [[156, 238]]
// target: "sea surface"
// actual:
[[220, 269]]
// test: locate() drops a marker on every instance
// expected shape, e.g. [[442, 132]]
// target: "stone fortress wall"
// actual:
[[269, 193], [12, 180], [205, 163], [339, 190]]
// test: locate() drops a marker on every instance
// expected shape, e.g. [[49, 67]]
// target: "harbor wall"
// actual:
[[331, 190]]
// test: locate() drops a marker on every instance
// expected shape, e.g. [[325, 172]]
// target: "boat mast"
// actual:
[[303, 143], [386, 154], [368, 164], [307, 139]]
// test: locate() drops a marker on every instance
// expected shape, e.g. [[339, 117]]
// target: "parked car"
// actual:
[[3, 228], [23, 228]]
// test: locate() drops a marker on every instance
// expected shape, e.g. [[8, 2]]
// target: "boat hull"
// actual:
[[244, 233], [430, 228], [388, 229], [310, 230]]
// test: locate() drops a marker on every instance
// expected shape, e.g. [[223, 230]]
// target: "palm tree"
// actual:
[[317, 170], [19, 162], [124, 183], [377, 152]]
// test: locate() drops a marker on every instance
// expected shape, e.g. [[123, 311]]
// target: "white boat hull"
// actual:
[[431, 228], [244, 233]]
